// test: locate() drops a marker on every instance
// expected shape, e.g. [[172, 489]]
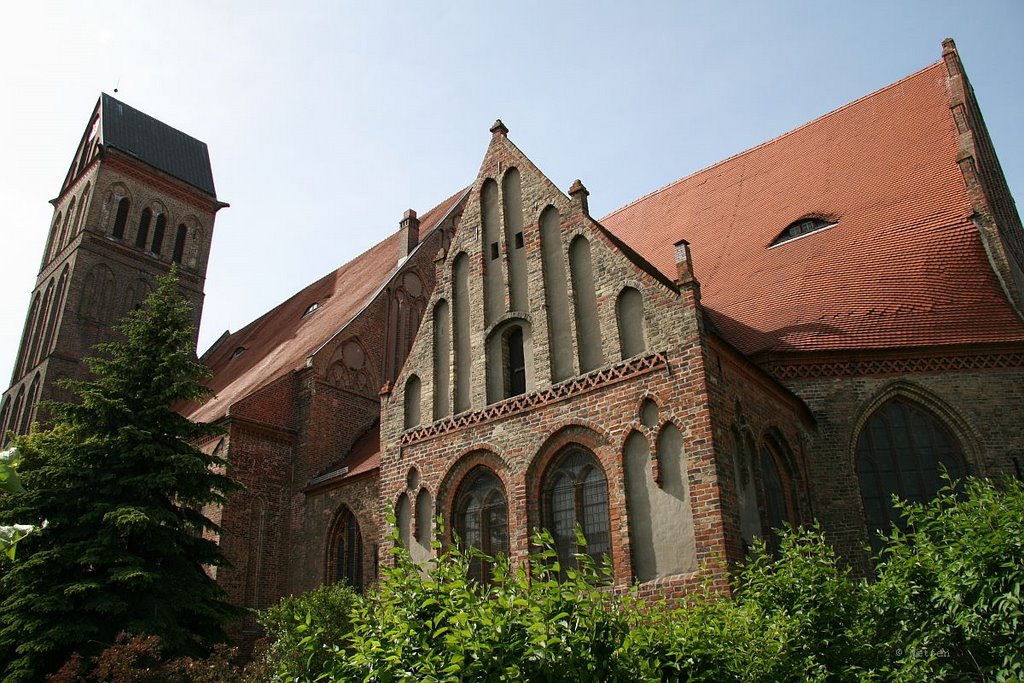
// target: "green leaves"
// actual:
[[946, 605], [9, 481]]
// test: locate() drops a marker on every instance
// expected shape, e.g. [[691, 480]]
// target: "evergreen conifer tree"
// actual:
[[122, 485]]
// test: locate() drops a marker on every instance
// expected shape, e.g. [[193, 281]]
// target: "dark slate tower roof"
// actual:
[[155, 143]]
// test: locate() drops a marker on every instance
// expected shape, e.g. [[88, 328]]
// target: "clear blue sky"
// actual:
[[326, 120]]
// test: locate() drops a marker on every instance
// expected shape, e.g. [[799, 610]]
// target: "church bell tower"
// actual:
[[137, 199]]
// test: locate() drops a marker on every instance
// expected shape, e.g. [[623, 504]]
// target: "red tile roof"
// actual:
[[280, 341], [903, 266]]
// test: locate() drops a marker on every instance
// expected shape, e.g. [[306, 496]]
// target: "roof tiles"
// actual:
[[279, 341], [902, 267]]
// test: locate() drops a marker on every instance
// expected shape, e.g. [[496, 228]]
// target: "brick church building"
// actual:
[[794, 333]]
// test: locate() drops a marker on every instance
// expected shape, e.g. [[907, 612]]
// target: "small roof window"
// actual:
[[311, 308], [804, 226]]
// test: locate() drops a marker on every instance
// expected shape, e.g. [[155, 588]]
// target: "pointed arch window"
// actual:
[[179, 243], [778, 509], [481, 519], [5, 413], [121, 218], [67, 231], [53, 244], [348, 551], [574, 492], [902, 450], [158, 234], [80, 219], [142, 236]]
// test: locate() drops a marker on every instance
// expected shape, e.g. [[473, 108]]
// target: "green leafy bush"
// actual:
[[951, 589], [307, 632], [946, 605]]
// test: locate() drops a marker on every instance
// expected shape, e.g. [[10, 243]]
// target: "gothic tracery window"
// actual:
[[481, 519], [902, 450], [574, 493], [348, 551]]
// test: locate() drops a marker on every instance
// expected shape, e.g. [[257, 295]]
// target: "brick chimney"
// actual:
[[408, 233], [684, 264], [685, 279]]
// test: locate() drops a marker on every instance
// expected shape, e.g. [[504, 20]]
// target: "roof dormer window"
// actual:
[[804, 226], [311, 309]]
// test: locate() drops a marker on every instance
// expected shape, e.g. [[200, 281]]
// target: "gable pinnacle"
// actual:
[[499, 128], [579, 194]]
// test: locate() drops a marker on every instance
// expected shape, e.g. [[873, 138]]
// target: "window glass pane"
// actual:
[[901, 452], [575, 492], [481, 519]]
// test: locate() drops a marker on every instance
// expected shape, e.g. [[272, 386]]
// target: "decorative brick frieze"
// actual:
[[628, 369]]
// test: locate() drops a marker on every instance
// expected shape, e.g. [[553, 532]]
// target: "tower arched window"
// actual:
[[51, 245], [16, 409], [5, 414], [121, 218], [179, 243], [142, 236], [80, 219], [574, 492], [31, 398], [481, 519], [68, 229], [158, 234], [902, 450], [348, 551]]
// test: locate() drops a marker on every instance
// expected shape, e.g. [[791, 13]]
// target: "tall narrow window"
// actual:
[[442, 360], [516, 376], [481, 519], [31, 398], [412, 402], [5, 413], [512, 201], [37, 333], [349, 551], [179, 243], [777, 506], [24, 353], [902, 451], [121, 219], [80, 219], [574, 492], [629, 311], [142, 236], [461, 330], [55, 310], [556, 295], [158, 234], [494, 285], [68, 229], [51, 246], [16, 409], [588, 327]]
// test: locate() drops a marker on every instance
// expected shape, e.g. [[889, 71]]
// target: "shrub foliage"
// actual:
[[945, 605]]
